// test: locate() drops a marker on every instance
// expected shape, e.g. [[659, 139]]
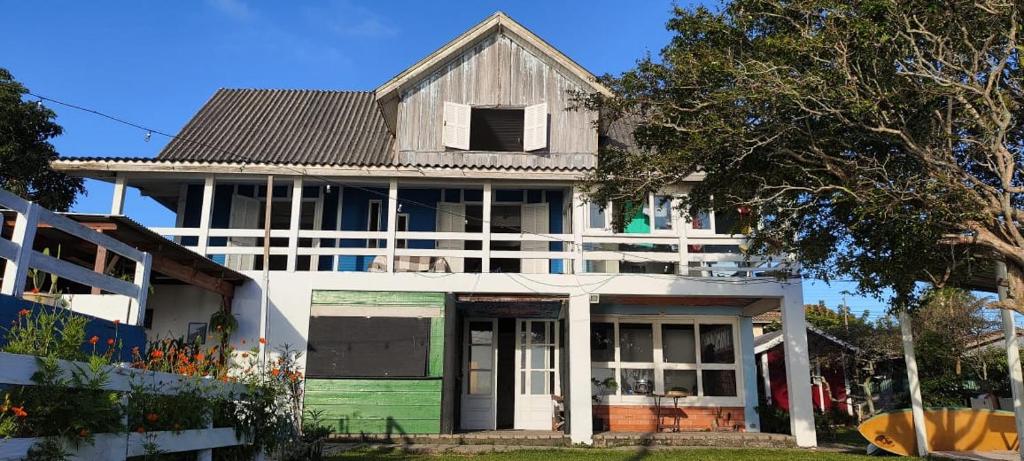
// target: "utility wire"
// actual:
[[328, 180]]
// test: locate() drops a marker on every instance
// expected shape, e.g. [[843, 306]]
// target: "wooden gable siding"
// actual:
[[497, 71]]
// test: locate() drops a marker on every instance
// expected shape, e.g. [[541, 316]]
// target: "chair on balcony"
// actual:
[[411, 264]]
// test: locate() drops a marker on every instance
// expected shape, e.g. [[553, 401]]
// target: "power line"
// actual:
[[329, 180]]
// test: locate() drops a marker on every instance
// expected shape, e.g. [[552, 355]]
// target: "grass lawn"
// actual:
[[637, 454]]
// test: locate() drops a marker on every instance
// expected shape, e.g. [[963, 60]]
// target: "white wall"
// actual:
[[174, 306], [107, 307], [288, 311]]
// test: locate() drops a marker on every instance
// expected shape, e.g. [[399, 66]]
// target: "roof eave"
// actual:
[[498, 21]]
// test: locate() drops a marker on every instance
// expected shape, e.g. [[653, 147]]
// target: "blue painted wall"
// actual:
[[130, 336]]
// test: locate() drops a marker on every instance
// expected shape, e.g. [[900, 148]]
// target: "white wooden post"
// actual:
[[581, 423], [392, 222], [679, 224], [1012, 345], [766, 376], [485, 244], [207, 454], [578, 222], [117, 204], [204, 217], [24, 234], [798, 371], [916, 402], [750, 418], [293, 225], [142, 271]]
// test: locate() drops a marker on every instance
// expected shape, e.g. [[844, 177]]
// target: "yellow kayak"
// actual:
[[949, 429]]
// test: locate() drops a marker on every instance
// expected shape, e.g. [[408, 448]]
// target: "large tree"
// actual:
[[25, 150], [875, 139]]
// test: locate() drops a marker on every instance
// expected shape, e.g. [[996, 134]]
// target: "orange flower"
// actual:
[[152, 417], [200, 357], [275, 372], [140, 430], [19, 412], [83, 433], [157, 354], [262, 341], [24, 312], [94, 340], [110, 341]]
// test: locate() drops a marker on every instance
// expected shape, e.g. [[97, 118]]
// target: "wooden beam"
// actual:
[[192, 276], [99, 265]]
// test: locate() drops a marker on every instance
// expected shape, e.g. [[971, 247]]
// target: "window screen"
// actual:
[[496, 130], [358, 347]]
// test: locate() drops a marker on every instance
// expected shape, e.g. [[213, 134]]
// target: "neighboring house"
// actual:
[[830, 360], [430, 248]]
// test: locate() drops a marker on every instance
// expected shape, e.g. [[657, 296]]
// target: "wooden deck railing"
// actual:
[[20, 255]]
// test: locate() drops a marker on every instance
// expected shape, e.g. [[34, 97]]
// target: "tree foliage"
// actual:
[[25, 150], [879, 139]]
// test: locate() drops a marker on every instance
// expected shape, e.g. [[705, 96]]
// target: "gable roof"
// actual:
[[303, 127], [498, 21], [767, 341]]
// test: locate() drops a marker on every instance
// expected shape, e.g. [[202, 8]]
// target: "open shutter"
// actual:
[[535, 127], [456, 126]]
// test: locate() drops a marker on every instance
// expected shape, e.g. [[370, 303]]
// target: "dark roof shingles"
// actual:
[[307, 127]]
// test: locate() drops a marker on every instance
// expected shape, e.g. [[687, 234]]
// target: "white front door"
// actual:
[[479, 371], [537, 378]]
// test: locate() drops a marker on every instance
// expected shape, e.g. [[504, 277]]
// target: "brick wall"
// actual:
[[639, 418]]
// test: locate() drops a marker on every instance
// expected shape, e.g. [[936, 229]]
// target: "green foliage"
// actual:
[[874, 140], [50, 332], [25, 150]]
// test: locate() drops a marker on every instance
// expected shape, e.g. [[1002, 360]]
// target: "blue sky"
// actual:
[[156, 63]]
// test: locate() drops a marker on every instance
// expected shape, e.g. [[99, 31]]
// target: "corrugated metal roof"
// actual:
[[306, 127]]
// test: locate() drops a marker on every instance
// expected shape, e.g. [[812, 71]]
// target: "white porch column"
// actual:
[[16, 270], [578, 213], [117, 204], [204, 217], [798, 371], [293, 225], [392, 223], [916, 402], [766, 377], [485, 244], [750, 419], [581, 424], [1012, 353]]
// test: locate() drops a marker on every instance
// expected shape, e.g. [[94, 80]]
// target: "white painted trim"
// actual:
[[578, 210], [16, 269], [798, 373], [117, 200], [916, 402], [766, 377], [392, 223], [485, 261], [748, 378], [205, 216], [579, 401], [293, 225]]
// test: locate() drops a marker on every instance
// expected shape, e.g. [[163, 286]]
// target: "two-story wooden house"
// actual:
[[427, 244]]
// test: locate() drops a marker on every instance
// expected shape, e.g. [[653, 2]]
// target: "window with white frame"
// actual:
[[633, 358], [634, 217]]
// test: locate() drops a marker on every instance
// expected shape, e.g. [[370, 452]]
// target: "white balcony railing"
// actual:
[[700, 256]]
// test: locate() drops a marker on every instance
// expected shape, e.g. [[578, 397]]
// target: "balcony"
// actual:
[[421, 226]]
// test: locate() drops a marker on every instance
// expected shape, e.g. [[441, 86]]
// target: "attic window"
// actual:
[[493, 129], [496, 130]]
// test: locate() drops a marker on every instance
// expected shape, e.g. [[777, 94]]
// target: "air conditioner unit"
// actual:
[[595, 298]]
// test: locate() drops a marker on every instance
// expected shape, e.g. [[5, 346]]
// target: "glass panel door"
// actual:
[[479, 374], [535, 383]]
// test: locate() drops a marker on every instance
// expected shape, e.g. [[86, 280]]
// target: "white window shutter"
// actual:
[[535, 127], [456, 126]]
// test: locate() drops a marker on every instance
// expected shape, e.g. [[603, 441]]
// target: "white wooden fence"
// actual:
[[20, 256], [18, 369]]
